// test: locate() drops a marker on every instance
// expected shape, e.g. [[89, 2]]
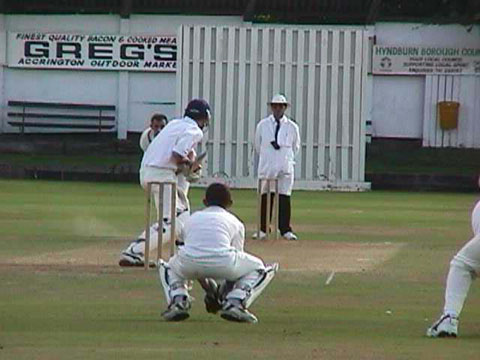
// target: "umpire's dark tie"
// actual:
[[277, 129]]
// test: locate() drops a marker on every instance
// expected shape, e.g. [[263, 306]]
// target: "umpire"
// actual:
[[277, 141]]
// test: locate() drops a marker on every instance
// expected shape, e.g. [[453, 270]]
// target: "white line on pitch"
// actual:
[[330, 278]]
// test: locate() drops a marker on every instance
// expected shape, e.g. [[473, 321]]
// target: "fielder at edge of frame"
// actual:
[[464, 268]]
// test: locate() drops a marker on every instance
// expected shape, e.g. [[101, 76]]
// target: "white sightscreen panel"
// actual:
[[320, 70], [366, 51], [241, 149], [357, 118], [310, 105]]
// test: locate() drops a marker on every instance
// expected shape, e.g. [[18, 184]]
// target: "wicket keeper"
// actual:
[[213, 249]]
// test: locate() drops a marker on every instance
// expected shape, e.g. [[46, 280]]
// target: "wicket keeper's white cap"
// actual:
[[279, 99]]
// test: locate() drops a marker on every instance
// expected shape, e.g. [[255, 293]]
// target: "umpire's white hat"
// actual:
[[278, 99]]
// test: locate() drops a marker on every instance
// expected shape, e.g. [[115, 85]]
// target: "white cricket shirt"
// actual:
[[212, 232], [180, 136], [476, 219], [146, 138], [272, 162]]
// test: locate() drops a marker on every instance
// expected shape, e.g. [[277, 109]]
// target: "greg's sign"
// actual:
[[92, 52]]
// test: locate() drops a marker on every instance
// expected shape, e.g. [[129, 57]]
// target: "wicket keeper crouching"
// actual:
[[213, 249]]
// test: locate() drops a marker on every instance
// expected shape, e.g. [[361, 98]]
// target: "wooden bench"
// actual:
[[50, 115]]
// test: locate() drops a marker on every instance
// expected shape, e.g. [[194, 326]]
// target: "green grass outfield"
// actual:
[[380, 159], [50, 311]]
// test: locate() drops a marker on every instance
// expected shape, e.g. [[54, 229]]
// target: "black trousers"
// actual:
[[284, 213]]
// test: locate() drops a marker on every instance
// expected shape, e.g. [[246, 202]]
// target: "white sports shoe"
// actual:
[[290, 236], [131, 258], [177, 311], [259, 236], [238, 314], [446, 326]]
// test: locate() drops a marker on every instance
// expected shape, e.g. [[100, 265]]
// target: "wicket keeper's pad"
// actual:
[[153, 174], [250, 274]]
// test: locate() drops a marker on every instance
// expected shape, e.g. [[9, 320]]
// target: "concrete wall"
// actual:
[[398, 101], [136, 95]]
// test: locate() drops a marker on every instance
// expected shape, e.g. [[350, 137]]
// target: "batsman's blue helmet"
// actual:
[[198, 109]]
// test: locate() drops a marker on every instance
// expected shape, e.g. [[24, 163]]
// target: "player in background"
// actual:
[[171, 157], [464, 268], [157, 123], [213, 249], [277, 141]]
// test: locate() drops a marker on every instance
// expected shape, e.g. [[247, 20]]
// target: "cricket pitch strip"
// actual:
[[303, 255]]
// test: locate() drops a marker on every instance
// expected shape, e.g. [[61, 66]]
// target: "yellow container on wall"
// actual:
[[448, 114]]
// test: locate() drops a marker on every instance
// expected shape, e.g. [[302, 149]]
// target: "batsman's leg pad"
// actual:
[[172, 285], [249, 288], [138, 246]]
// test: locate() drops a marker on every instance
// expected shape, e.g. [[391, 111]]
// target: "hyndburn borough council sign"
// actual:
[[424, 60]]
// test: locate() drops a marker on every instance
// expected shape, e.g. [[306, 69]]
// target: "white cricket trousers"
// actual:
[[464, 267], [239, 267], [152, 174], [149, 174]]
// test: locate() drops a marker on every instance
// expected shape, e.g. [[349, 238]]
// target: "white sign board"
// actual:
[[423, 60], [92, 52]]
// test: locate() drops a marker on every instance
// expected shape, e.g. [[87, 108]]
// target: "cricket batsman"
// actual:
[[213, 249], [157, 123], [464, 268], [171, 157]]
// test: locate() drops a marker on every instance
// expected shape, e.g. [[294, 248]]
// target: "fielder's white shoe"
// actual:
[[238, 314], [259, 236], [446, 326], [290, 236], [177, 311]]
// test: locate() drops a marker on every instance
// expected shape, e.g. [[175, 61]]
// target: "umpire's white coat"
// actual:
[[277, 163]]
